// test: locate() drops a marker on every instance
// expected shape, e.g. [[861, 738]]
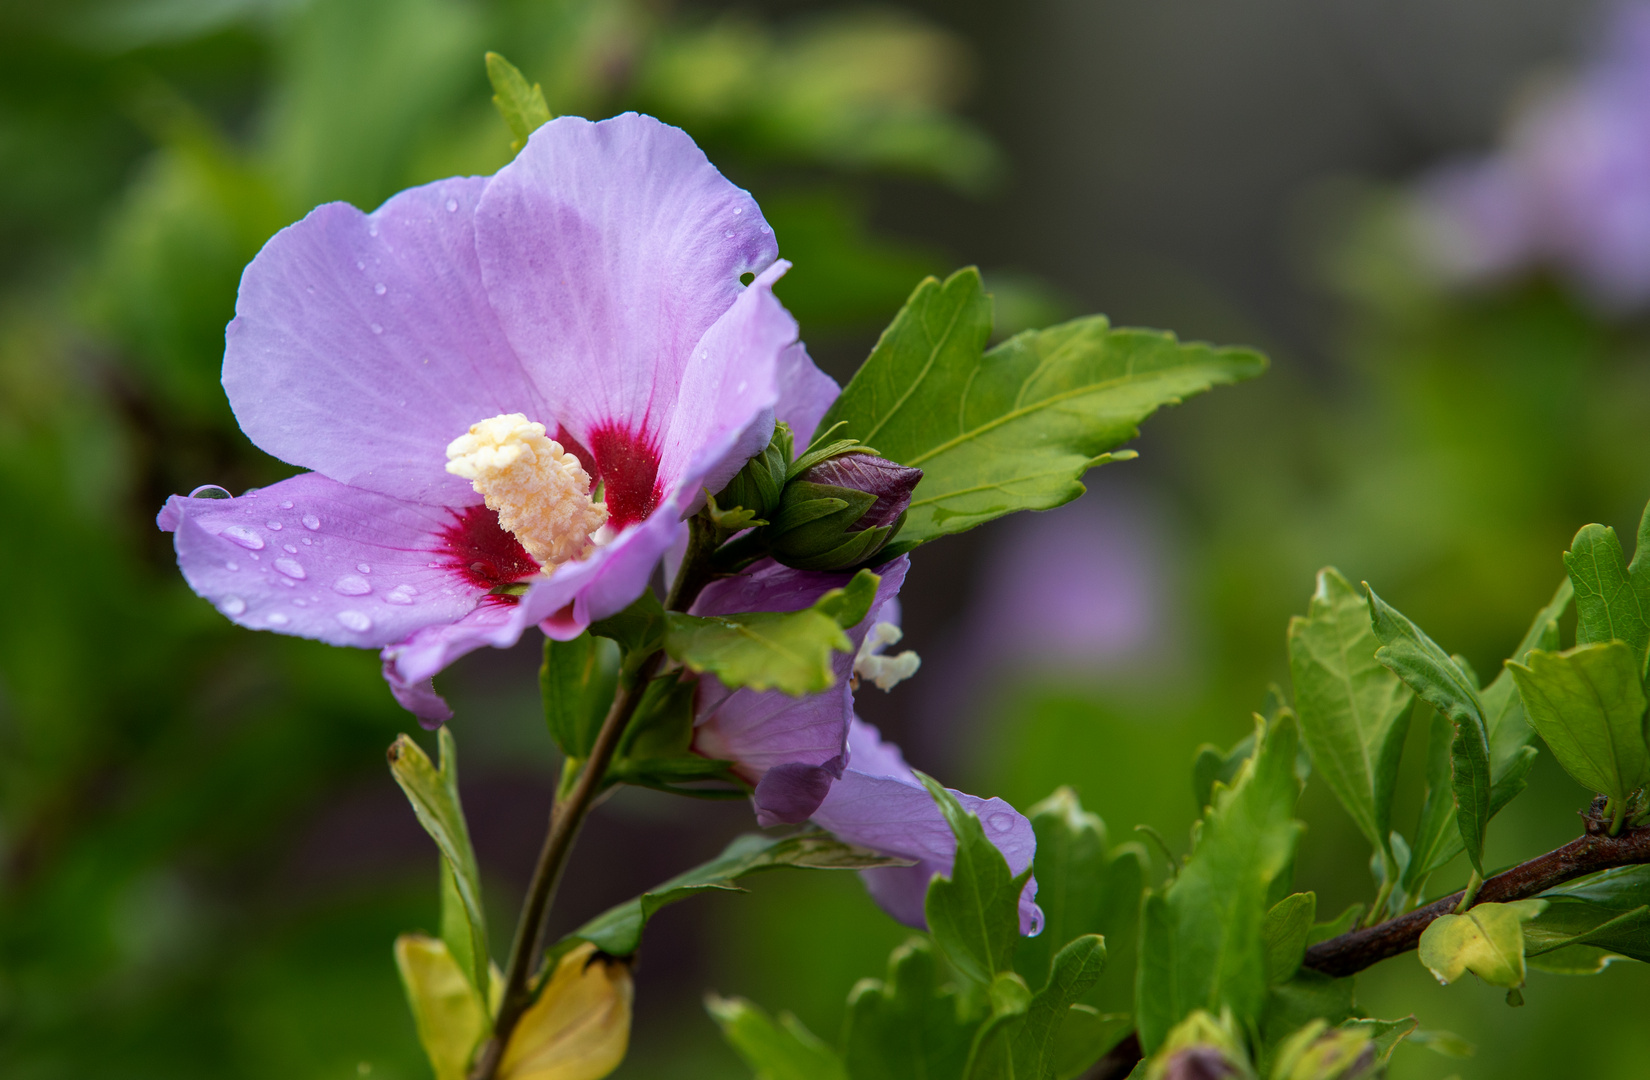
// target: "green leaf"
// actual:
[[1023, 1043], [1320, 1052], [1083, 886], [1284, 934], [521, 105], [639, 629], [1488, 941], [1429, 671], [1385, 1034], [789, 651], [1611, 605], [1354, 712], [576, 683], [974, 914], [1014, 428], [434, 797], [446, 1009], [1608, 913], [1509, 729], [1588, 704], [1335, 927], [1201, 938], [907, 1024], [1309, 996], [775, 1051], [618, 930]]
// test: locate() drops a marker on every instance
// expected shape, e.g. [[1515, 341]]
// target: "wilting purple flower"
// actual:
[[1571, 187], [811, 757], [588, 292]]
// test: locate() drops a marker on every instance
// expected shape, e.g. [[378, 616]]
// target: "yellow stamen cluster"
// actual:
[[540, 492]]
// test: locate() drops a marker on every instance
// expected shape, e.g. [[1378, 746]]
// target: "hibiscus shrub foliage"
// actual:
[[712, 535]]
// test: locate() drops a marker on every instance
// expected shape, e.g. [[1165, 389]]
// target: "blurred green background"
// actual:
[[202, 859]]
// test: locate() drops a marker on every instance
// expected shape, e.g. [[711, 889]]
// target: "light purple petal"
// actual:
[[880, 804], [610, 251], [805, 393], [763, 730], [363, 343], [315, 558]]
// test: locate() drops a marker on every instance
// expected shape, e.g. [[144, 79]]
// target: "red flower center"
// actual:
[[484, 554], [626, 463]]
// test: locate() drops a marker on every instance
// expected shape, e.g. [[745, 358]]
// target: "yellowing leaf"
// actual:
[[579, 1027], [445, 1006], [1487, 941]]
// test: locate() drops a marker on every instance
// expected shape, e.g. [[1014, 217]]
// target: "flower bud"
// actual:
[[758, 486], [840, 512]]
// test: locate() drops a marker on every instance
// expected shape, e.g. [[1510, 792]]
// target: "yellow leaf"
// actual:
[[445, 1007], [579, 1027], [1487, 941]]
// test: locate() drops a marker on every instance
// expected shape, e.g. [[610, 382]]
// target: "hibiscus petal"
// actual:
[[318, 559], [610, 250], [805, 394], [363, 343], [879, 803]]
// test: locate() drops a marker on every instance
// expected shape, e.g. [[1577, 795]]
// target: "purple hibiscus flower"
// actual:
[[510, 390]]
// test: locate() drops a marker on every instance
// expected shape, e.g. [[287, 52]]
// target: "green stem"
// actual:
[[1470, 893], [1618, 811], [1377, 910]]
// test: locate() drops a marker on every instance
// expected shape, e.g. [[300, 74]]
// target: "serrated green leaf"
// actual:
[[447, 1011], [522, 106], [576, 683], [1022, 1044], [782, 1050], [1014, 428], [1611, 604], [974, 914], [1284, 934], [1588, 705], [1083, 886], [1201, 943], [1429, 671], [907, 1024], [789, 651], [1354, 712], [1488, 940], [434, 796], [618, 930]]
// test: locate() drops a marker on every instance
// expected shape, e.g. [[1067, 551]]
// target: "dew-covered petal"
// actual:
[[319, 559], [805, 393], [364, 343], [610, 251], [879, 803]]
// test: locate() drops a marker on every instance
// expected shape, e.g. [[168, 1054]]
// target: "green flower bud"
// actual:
[[758, 486], [840, 512]]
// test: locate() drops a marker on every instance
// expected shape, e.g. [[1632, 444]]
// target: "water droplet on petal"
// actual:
[[738, 210], [232, 606], [380, 289], [231, 566], [350, 585], [290, 568], [359, 265], [311, 522], [306, 541], [277, 619], [372, 228], [273, 526], [377, 329], [358, 621], [210, 491], [244, 536], [729, 234], [1001, 823], [452, 205], [363, 567], [287, 505], [765, 228], [300, 603], [290, 550], [401, 594]]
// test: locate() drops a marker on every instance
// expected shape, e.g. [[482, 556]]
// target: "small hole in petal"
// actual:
[[746, 278]]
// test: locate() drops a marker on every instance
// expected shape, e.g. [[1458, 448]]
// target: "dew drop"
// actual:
[[363, 567], [452, 206], [231, 566], [306, 541], [290, 550], [380, 289], [729, 234], [300, 603], [350, 585], [311, 522], [232, 606], [1001, 822], [288, 582], [290, 568], [372, 228], [741, 389], [738, 210], [359, 265], [210, 491], [273, 526], [277, 619], [401, 594], [244, 536], [358, 621], [287, 505], [377, 329], [764, 228]]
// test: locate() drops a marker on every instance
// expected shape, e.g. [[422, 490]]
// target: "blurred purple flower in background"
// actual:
[[1569, 190]]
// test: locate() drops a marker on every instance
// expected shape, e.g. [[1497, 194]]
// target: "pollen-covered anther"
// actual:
[[886, 672], [540, 492]]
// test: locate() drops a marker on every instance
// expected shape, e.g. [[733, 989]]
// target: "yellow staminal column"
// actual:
[[540, 492]]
